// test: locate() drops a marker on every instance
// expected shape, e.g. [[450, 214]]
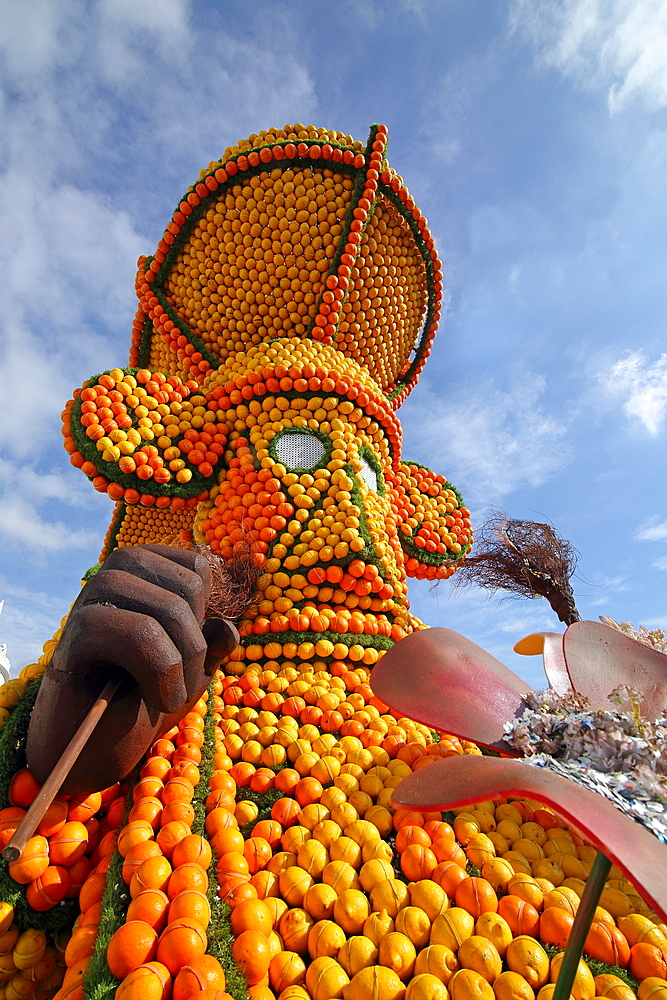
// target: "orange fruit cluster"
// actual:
[[161, 946], [143, 424], [57, 859], [324, 861]]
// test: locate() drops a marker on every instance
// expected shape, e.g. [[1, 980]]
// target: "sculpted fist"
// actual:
[[142, 617]]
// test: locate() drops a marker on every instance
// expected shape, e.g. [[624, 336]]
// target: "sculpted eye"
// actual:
[[368, 474], [299, 450]]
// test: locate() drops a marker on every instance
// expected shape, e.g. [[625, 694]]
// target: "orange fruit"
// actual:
[[131, 834], [53, 819], [251, 914], [80, 945], [33, 861], [251, 953], [607, 944], [477, 896], [81, 808], [153, 873], [148, 982], [205, 973], [170, 836], [521, 916], [426, 987], [133, 944], [136, 855], [185, 877], [181, 943], [151, 906], [555, 926], [23, 789], [48, 889], [647, 960], [190, 905], [192, 849]]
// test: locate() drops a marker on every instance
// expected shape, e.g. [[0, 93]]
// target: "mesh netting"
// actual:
[[299, 451], [369, 475]]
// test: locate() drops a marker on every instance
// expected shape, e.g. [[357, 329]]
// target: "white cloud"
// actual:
[[661, 564], [641, 386], [653, 530], [489, 441], [618, 45], [100, 103], [29, 618]]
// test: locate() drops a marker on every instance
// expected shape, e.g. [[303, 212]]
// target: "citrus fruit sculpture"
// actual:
[[255, 850]]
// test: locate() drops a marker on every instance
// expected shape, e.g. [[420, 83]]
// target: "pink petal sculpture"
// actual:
[[550, 645], [600, 659], [441, 679]]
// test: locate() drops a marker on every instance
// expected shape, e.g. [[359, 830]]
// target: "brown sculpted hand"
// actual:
[[141, 616]]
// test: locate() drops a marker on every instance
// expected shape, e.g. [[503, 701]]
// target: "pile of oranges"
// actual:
[[334, 893], [142, 424], [56, 861], [160, 948]]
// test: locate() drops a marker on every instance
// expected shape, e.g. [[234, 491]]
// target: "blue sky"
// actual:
[[532, 133]]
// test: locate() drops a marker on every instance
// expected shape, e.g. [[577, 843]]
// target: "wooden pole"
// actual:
[[52, 785]]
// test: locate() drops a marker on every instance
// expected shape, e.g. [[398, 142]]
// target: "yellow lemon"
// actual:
[[426, 987], [480, 955], [512, 986], [438, 961], [357, 953], [527, 957], [466, 984]]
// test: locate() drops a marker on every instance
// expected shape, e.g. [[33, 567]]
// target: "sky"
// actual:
[[531, 133]]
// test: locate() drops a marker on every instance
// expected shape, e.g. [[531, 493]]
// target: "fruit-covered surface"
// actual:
[[256, 850], [287, 312]]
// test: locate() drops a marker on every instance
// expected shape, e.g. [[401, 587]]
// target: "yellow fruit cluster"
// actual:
[[254, 265], [30, 969]]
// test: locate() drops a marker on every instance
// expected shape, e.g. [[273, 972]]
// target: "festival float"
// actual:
[[205, 793]]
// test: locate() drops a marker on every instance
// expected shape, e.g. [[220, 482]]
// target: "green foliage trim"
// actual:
[[405, 380], [219, 931], [598, 968], [99, 983], [145, 343], [346, 638], [117, 524]]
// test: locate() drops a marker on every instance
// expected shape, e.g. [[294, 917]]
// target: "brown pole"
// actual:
[[52, 785]]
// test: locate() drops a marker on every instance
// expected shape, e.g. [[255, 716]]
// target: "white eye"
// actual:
[[369, 475], [299, 450]]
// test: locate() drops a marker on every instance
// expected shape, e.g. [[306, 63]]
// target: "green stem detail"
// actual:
[[582, 922]]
